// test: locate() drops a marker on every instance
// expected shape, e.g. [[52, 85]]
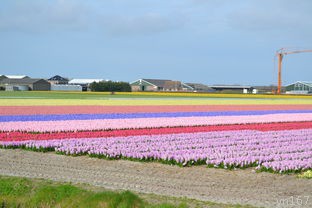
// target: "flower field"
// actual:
[[269, 134]]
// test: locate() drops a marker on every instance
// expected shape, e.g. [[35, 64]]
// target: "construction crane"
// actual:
[[280, 54]]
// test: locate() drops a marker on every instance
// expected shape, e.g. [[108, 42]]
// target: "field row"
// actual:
[[43, 110], [151, 101], [109, 124], [161, 95], [24, 136], [282, 151], [65, 117]]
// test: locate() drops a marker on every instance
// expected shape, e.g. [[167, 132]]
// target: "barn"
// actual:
[[159, 85], [25, 84], [233, 88]]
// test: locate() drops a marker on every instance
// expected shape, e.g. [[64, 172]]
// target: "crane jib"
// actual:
[[280, 54]]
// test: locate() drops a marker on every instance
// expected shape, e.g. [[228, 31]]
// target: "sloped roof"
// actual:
[[164, 83], [185, 85], [158, 82], [2, 76], [58, 78], [172, 84], [308, 83], [25, 81], [84, 81], [199, 86], [15, 76]]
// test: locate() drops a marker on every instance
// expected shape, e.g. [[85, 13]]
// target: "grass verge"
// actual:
[[109, 95], [22, 192]]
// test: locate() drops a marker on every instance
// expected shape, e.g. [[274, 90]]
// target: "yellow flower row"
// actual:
[[215, 95]]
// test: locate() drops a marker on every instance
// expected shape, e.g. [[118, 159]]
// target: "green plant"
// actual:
[[307, 174]]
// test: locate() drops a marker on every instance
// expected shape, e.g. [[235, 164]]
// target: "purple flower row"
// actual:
[[64, 117], [281, 151]]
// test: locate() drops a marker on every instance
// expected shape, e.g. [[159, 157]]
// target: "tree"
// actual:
[[110, 86]]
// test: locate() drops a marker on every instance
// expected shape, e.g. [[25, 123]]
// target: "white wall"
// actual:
[[66, 88], [16, 88]]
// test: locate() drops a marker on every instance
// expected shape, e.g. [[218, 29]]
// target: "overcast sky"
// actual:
[[207, 41]]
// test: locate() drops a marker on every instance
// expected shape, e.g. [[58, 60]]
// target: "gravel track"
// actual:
[[199, 182]]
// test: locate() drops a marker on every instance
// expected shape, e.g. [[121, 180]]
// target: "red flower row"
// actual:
[[22, 136]]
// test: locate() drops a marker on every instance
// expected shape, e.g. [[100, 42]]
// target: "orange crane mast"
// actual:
[[280, 54]]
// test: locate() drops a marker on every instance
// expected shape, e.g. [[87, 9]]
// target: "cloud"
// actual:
[[41, 16], [70, 15], [139, 17], [272, 17], [144, 24]]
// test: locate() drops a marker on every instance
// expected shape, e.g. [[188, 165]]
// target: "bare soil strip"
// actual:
[[201, 183]]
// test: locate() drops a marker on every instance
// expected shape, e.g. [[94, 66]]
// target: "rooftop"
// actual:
[[58, 78], [24, 81], [308, 83], [200, 86], [158, 82], [84, 81], [15, 76]]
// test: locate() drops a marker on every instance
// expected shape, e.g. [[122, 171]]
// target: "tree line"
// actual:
[[110, 86]]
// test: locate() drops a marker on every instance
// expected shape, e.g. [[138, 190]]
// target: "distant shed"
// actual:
[[232, 88], [22, 84]]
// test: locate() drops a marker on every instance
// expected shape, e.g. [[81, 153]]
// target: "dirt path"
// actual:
[[206, 184]]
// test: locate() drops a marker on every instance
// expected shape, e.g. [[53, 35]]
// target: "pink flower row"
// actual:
[[105, 124], [24, 136], [277, 150]]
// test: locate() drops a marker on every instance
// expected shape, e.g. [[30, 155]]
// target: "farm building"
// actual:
[[198, 87], [159, 85], [233, 88], [58, 80], [25, 84], [84, 83], [299, 87]]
